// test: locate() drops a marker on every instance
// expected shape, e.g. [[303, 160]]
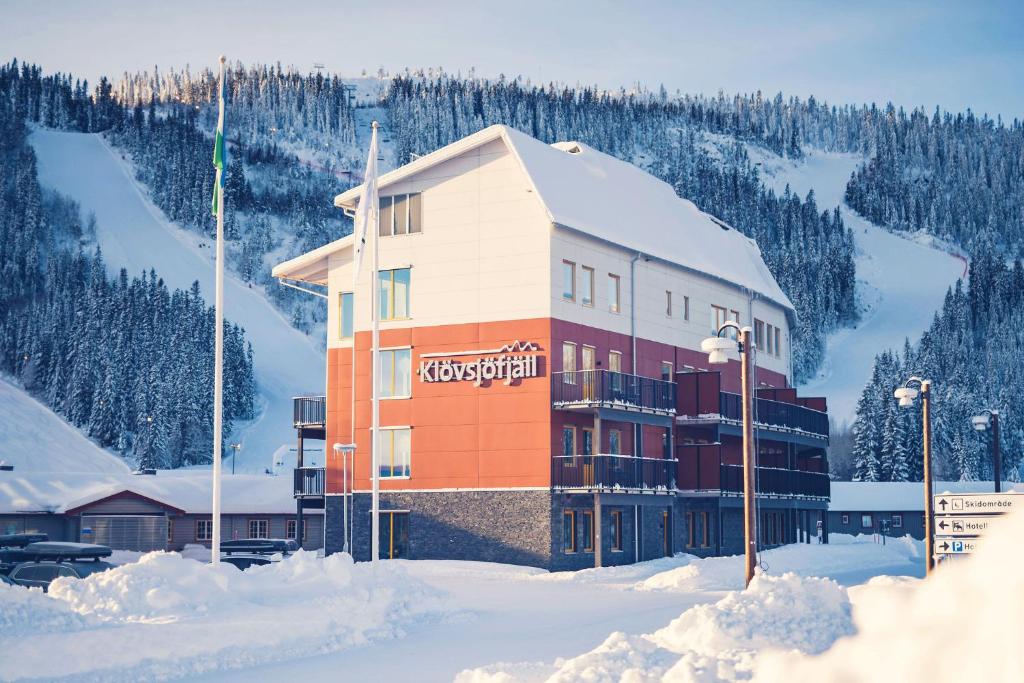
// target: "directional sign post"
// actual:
[[963, 526], [955, 546], [978, 503], [960, 518]]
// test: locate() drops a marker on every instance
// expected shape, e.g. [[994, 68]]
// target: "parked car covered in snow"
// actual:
[[39, 563]]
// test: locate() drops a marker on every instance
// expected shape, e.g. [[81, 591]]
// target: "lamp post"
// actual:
[[716, 348], [906, 395], [990, 418], [235, 447], [346, 451]]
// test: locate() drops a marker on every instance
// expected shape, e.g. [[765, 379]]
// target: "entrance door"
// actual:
[[589, 376], [394, 535]]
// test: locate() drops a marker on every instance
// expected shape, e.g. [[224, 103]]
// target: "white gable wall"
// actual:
[[482, 256]]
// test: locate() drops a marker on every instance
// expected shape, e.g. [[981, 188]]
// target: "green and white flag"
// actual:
[[219, 150]]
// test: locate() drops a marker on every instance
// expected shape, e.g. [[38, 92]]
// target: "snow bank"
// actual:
[[963, 623], [167, 616]]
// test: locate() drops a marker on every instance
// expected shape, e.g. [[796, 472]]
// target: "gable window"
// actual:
[[778, 341], [568, 280], [616, 529], [719, 315], [587, 295], [395, 452], [345, 315], [401, 214], [758, 334], [395, 373], [769, 339], [394, 294], [668, 303], [614, 293], [259, 528], [204, 529], [686, 308]]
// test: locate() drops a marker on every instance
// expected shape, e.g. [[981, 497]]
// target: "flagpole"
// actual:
[[218, 352], [375, 346]]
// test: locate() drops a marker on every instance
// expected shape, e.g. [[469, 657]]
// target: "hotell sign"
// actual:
[[506, 364]]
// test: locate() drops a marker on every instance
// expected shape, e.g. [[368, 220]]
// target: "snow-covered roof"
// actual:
[[901, 496], [594, 193], [188, 490]]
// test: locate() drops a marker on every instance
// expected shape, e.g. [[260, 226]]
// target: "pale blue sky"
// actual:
[[955, 54]]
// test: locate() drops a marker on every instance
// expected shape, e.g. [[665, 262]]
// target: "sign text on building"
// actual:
[[507, 364]]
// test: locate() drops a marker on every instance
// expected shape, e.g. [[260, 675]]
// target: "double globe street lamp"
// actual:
[[717, 348], [906, 395]]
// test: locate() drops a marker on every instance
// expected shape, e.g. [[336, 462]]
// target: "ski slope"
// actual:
[[134, 234], [900, 282], [35, 439]]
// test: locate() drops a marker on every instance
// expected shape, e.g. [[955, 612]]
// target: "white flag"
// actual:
[[368, 210]]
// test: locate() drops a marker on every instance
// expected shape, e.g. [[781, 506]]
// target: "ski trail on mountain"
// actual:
[[134, 234], [901, 282]]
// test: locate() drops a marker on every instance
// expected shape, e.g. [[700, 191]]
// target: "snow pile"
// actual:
[[30, 612], [720, 641], [964, 623], [167, 616]]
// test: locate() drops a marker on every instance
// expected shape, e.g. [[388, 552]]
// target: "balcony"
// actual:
[[612, 390], [309, 411], [309, 482], [612, 473], [701, 469], [775, 415]]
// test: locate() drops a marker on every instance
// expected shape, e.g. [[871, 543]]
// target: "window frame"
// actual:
[[341, 315], [412, 202], [846, 519], [870, 520], [588, 538], [258, 521], [393, 352], [705, 536], [686, 308], [897, 520], [569, 375], [208, 524], [778, 341], [668, 303], [572, 275], [391, 295], [691, 531], [614, 293], [170, 530], [617, 545], [566, 430], [615, 442], [617, 365], [391, 431], [293, 525], [569, 515], [587, 274]]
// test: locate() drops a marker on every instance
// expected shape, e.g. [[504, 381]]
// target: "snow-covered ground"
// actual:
[[901, 282], [34, 439], [134, 234]]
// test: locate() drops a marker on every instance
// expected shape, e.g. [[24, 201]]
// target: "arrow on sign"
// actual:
[[943, 503], [943, 525], [945, 545]]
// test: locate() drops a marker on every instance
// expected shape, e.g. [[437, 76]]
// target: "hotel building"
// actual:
[[543, 397]]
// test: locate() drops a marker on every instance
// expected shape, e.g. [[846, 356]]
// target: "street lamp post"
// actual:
[[906, 395], [716, 348], [235, 447], [990, 418]]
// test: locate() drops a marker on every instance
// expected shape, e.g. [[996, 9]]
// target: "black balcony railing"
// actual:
[[611, 472], [309, 410], [309, 482], [776, 414], [614, 390], [777, 482]]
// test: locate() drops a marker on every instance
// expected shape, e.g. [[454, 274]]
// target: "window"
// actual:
[[395, 452], [668, 304], [705, 535], [290, 526], [686, 308], [616, 529], [568, 280], [568, 363], [259, 528], [866, 521], [394, 294], [718, 316], [569, 531], [568, 441], [846, 519], [666, 370], [778, 341], [897, 521], [587, 295], [769, 338], [615, 361], [204, 529], [395, 373], [614, 442], [614, 291], [345, 315], [170, 530], [691, 532], [401, 214], [588, 531], [758, 334], [734, 316], [587, 447], [394, 534]]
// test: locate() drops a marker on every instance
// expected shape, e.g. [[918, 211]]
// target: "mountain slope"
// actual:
[[135, 235], [901, 283]]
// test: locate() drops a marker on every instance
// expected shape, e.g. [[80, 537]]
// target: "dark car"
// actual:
[[11, 549], [42, 562], [256, 552]]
